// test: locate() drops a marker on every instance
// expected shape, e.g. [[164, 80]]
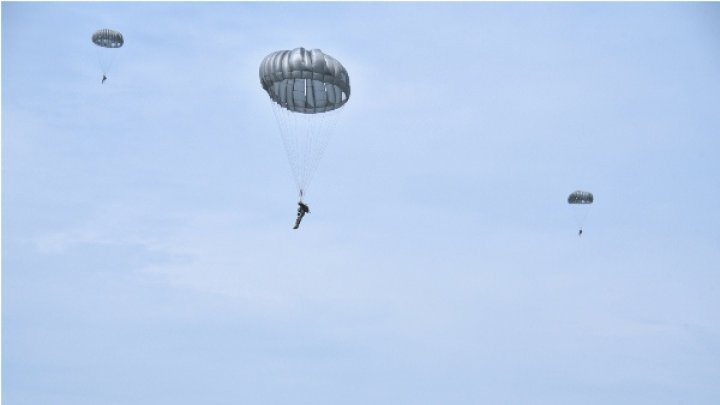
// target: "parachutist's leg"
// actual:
[[299, 218]]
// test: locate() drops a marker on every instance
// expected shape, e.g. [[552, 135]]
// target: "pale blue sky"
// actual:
[[148, 255]]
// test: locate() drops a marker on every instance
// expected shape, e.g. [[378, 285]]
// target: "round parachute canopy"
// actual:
[[305, 81], [108, 38], [580, 197]]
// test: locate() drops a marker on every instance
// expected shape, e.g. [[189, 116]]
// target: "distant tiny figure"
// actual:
[[302, 210], [103, 80], [580, 233]]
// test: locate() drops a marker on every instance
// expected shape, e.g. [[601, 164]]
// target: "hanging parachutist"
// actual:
[[302, 210], [103, 80], [580, 232]]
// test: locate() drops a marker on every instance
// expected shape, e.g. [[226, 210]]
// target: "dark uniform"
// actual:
[[302, 210]]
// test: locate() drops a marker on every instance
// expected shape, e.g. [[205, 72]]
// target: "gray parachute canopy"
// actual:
[[108, 38], [305, 81], [580, 197]]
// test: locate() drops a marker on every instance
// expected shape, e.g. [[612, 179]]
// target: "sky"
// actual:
[[147, 249]]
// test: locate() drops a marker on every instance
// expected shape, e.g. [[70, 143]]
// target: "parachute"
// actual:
[[307, 90], [580, 201], [107, 41], [108, 38], [580, 197]]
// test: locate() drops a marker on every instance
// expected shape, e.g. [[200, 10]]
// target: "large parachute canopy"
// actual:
[[580, 197], [307, 89], [108, 38], [305, 81]]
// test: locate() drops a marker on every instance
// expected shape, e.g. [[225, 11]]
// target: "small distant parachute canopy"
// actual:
[[107, 38], [305, 81], [580, 197]]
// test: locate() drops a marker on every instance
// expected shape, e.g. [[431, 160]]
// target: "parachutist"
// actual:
[[580, 232], [302, 210], [103, 79]]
